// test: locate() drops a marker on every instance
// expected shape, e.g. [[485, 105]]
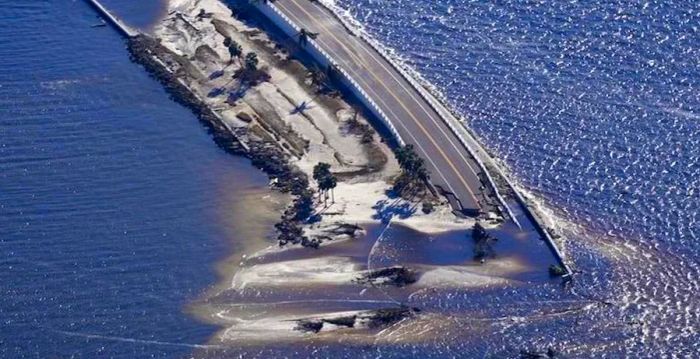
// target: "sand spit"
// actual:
[[334, 270], [365, 324], [279, 117], [323, 270], [195, 30]]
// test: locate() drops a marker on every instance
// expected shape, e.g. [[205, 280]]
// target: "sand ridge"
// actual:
[[195, 31]]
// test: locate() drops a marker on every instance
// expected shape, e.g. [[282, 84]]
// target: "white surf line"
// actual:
[[369, 258], [389, 329], [517, 319], [308, 301], [120, 25], [136, 341]]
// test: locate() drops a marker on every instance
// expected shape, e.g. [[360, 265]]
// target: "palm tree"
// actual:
[[321, 171], [330, 183], [305, 35], [251, 61], [234, 49], [318, 78], [332, 71], [411, 164], [325, 179]]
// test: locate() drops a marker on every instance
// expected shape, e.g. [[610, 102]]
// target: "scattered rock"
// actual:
[[245, 117], [152, 55], [165, 66], [366, 320], [348, 321], [396, 276], [346, 229], [556, 270], [385, 317], [482, 242], [309, 326]]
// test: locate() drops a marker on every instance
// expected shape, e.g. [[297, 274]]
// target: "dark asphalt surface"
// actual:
[[451, 167]]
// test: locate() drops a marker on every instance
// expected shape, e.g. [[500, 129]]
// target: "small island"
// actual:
[[348, 181]]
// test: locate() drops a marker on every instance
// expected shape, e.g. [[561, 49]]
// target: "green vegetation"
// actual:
[[305, 35], [318, 78], [309, 326], [326, 180], [249, 74], [251, 61], [414, 174], [373, 319], [358, 128], [482, 242], [411, 164], [303, 206], [234, 49], [289, 229], [556, 270], [321, 81]]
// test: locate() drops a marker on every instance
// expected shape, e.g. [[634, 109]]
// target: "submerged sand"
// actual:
[[268, 292]]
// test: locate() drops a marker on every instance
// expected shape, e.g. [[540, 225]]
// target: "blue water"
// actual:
[[110, 193], [114, 200], [595, 106]]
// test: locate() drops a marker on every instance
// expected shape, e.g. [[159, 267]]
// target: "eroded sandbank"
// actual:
[[287, 123]]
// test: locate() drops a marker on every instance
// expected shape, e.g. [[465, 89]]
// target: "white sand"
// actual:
[[321, 270], [352, 202], [463, 277], [186, 34], [342, 270], [359, 200], [283, 326]]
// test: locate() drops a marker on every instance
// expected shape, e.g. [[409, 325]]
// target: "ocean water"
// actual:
[[595, 107], [593, 104], [115, 203], [113, 198]]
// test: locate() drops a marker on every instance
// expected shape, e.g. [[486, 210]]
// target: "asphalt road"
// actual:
[[451, 167]]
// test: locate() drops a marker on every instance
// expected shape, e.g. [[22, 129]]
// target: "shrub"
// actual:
[[482, 241], [556, 270]]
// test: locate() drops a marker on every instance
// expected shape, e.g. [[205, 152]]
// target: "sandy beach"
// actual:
[[318, 134], [359, 278]]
